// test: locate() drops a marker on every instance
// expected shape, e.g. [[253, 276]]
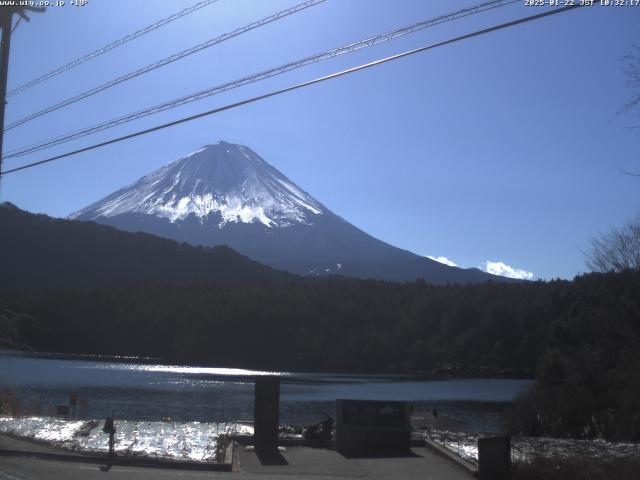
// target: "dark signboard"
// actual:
[[62, 410], [378, 413], [366, 427]]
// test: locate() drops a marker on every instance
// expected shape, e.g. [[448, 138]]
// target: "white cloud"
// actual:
[[444, 260], [504, 270]]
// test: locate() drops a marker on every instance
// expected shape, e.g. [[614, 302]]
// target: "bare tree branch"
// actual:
[[616, 251], [631, 69]]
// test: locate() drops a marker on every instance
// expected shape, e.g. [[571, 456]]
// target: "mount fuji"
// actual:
[[227, 194]]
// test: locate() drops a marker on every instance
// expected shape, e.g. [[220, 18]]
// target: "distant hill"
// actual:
[[37, 251]]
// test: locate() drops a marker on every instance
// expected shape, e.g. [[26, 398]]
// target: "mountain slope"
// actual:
[[37, 251], [229, 181], [226, 194]]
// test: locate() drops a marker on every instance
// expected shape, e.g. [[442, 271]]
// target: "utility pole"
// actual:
[[6, 21]]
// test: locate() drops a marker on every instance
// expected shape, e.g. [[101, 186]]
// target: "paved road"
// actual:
[[296, 462], [293, 463], [14, 468]]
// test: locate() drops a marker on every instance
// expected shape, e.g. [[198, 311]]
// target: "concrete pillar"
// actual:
[[266, 412]]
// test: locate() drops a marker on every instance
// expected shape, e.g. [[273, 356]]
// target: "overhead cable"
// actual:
[[279, 70], [165, 61], [110, 46], [348, 71]]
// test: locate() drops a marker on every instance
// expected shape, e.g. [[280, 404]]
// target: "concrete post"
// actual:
[[266, 412], [494, 457]]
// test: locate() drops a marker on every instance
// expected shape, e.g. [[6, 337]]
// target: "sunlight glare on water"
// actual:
[[141, 391], [187, 370]]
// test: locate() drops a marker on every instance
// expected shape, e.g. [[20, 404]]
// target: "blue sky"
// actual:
[[504, 148]]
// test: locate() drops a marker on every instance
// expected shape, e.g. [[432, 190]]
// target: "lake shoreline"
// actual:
[[199, 441], [41, 384], [437, 373]]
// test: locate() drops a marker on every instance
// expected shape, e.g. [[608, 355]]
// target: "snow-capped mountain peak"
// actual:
[[226, 194], [226, 179]]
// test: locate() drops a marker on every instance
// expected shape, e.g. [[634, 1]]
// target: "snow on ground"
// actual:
[[193, 441], [465, 445], [197, 441]]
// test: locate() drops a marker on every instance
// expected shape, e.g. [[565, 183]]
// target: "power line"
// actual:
[[299, 85], [368, 42], [166, 61], [111, 46]]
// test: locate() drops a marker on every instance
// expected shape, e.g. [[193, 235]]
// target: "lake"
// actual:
[[135, 390]]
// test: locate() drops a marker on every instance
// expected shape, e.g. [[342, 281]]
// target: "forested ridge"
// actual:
[[341, 324], [40, 252]]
